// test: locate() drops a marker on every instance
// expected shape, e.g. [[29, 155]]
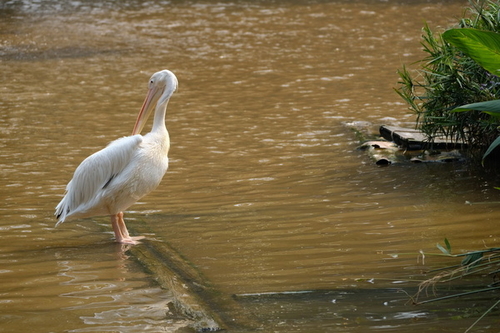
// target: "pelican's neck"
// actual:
[[161, 106], [159, 120]]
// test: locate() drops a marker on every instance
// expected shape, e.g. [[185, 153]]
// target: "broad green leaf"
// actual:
[[472, 259], [448, 245], [495, 144], [489, 107], [481, 46]]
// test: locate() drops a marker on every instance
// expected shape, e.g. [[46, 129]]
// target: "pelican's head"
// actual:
[[161, 87]]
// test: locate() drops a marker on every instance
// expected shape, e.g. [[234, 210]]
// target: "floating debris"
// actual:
[[404, 145]]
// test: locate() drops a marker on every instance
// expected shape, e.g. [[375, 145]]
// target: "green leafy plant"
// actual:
[[450, 78], [474, 262], [484, 48]]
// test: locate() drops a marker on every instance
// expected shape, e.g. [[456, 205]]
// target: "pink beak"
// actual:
[[153, 94]]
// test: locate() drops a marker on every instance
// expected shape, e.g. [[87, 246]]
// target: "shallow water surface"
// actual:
[[266, 195]]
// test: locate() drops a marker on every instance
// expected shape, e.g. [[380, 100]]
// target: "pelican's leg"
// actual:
[[121, 232], [122, 226]]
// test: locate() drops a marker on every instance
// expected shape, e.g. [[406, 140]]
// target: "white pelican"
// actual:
[[114, 178]]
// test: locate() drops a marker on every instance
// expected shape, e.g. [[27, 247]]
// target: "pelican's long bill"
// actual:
[[152, 97]]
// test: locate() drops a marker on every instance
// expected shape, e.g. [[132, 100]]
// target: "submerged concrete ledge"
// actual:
[[176, 275], [207, 308], [414, 139]]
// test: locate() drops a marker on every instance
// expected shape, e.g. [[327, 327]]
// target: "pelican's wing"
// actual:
[[95, 172]]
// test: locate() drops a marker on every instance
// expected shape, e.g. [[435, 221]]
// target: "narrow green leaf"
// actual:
[[482, 316], [442, 249], [472, 259], [448, 245], [459, 295], [482, 46]]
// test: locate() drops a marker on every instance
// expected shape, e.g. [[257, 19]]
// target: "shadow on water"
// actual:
[[356, 310], [378, 309]]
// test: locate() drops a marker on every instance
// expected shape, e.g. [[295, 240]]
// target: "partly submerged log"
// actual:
[[385, 153]]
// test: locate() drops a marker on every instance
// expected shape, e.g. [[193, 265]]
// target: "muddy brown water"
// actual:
[[266, 196]]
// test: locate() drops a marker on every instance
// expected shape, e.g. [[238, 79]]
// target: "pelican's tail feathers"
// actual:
[[61, 212]]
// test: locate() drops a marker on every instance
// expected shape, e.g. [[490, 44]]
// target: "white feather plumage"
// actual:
[[112, 179], [92, 180]]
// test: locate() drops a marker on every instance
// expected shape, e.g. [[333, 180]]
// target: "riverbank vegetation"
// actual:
[[484, 262], [449, 78], [456, 94]]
